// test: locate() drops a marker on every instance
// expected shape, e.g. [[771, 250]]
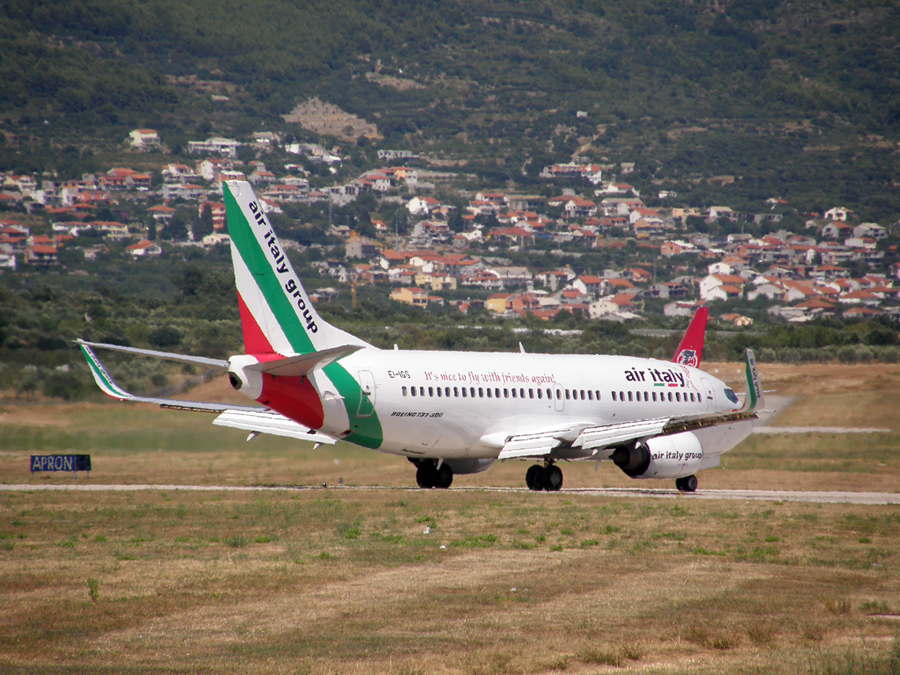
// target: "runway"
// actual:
[[862, 498]]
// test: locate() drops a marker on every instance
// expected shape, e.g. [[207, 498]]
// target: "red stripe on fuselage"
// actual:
[[255, 341], [293, 397]]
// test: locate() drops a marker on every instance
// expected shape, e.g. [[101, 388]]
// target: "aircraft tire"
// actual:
[[443, 477], [427, 475], [553, 478], [689, 483], [534, 477]]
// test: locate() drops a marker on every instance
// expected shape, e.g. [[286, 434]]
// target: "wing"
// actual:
[[590, 442], [254, 419]]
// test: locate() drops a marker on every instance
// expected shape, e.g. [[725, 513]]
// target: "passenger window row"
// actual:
[[663, 396], [497, 392]]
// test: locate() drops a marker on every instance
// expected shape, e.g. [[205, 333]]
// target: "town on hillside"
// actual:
[[836, 266]]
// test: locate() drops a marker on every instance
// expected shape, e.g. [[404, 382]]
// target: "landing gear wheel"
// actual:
[[444, 477], [427, 475], [553, 478], [534, 477], [686, 484]]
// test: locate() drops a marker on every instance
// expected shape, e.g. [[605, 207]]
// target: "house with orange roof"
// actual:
[[161, 213], [145, 140], [611, 286], [588, 284], [143, 249], [721, 287], [41, 254], [497, 303]]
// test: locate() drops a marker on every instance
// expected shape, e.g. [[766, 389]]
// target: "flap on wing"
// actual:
[[295, 366], [617, 434], [270, 422], [540, 443]]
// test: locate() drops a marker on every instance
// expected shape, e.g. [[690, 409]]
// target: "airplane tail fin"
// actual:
[[277, 316], [691, 346], [753, 399]]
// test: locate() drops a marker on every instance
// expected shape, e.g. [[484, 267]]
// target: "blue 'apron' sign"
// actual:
[[71, 463]]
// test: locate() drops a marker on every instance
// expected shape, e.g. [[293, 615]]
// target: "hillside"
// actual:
[[797, 100]]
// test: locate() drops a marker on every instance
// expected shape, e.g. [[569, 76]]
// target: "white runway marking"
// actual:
[[864, 498]]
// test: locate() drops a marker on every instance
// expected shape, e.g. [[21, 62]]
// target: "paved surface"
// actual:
[[865, 498]]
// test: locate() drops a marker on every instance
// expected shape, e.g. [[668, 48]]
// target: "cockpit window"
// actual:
[[730, 395]]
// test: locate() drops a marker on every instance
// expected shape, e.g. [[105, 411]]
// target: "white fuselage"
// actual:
[[461, 405]]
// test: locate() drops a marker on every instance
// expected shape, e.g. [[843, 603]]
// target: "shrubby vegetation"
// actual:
[[194, 312]]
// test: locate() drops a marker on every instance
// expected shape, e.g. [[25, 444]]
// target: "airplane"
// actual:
[[453, 413]]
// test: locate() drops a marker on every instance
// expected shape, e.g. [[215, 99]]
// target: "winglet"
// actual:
[[754, 397], [691, 346], [101, 377]]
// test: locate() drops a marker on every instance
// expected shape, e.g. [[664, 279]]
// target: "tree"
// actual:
[[204, 224], [456, 223]]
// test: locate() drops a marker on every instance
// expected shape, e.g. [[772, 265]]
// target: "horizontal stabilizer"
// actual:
[[110, 388], [218, 364], [296, 366], [262, 421]]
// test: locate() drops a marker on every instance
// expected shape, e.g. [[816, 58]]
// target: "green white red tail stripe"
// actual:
[[277, 317]]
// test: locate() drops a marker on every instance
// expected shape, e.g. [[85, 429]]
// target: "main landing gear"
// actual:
[[428, 475], [548, 477], [686, 484]]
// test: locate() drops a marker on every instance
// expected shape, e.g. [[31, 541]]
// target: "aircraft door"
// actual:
[[558, 402], [708, 394], [367, 394]]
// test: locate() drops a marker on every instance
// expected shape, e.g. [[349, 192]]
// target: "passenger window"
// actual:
[[597, 394], [412, 390], [678, 396], [590, 395], [464, 392], [567, 394], [480, 392], [630, 396], [497, 392], [654, 397], [439, 392], [670, 397], [455, 392], [522, 392], [472, 392], [431, 391], [646, 396], [489, 392], [614, 396], [540, 394], [531, 393], [404, 390]]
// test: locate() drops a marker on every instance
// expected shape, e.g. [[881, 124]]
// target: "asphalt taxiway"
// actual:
[[863, 498]]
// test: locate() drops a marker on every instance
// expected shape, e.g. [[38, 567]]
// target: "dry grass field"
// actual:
[[407, 581]]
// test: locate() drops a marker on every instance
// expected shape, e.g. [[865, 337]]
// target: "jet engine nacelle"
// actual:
[[661, 457]]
